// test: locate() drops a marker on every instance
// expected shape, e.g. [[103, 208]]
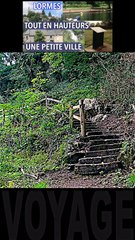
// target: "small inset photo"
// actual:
[[98, 39], [99, 16], [88, 10], [42, 11], [34, 14]]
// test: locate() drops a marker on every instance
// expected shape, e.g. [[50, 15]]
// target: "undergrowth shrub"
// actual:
[[130, 181], [127, 154]]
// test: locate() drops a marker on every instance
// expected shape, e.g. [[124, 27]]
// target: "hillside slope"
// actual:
[[34, 134]]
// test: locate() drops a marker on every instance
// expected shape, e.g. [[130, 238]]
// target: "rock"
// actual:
[[92, 106], [133, 107], [90, 103], [73, 157], [98, 117], [104, 117]]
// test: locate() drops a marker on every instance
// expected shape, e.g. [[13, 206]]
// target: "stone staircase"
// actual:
[[97, 152]]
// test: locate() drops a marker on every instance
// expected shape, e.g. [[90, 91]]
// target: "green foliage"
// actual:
[[39, 82], [59, 154], [35, 136], [131, 180], [118, 84], [34, 16], [55, 61], [127, 155], [41, 185], [39, 36], [4, 74], [18, 69], [27, 138]]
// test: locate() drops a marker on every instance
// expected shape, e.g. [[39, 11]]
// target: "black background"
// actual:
[[86, 203], [11, 26]]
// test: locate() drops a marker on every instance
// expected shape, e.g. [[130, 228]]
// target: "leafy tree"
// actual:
[[34, 17], [53, 19], [18, 69], [39, 36], [5, 71]]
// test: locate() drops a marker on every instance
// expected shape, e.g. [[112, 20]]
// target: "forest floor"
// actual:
[[68, 179], [124, 125]]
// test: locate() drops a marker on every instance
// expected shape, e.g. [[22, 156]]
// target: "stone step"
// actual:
[[100, 137], [95, 160], [70, 167], [94, 132], [86, 169], [112, 132], [104, 141], [87, 126], [89, 129], [73, 157], [81, 144], [98, 145], [105, 146], [104, 152], [87, 121]]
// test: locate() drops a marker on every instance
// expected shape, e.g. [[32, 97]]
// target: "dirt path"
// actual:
[[66, 179]]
